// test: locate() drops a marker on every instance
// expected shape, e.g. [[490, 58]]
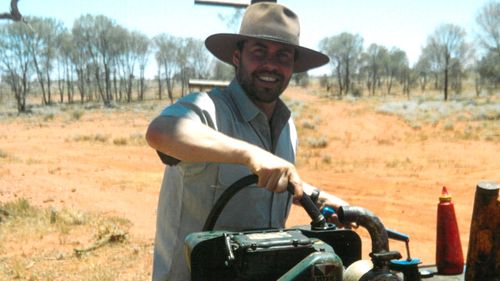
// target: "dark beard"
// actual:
[[260, 94]]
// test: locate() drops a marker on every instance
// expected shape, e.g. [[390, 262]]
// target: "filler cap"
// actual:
[[445, 196]]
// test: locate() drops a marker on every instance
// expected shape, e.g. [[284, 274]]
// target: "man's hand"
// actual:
[[326, 199], [332, 201], [274, 172]]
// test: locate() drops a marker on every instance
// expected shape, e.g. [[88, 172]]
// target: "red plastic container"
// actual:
[[449, 256]]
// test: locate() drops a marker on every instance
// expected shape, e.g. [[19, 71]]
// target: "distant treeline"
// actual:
[[99, 60]]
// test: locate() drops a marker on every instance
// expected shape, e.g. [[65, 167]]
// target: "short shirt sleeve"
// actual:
[[195, 106], [198, 107]]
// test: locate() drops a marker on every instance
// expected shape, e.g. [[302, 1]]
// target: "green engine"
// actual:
[[318, 251], [292, 254]]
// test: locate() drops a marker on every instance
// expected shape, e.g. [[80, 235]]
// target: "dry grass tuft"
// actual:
[[92, 138], [317, 142], [308, 124], [120, 141], [3, 154], [77, 114], [50, 244]]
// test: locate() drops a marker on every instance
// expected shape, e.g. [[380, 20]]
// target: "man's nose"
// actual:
[[271, 62]]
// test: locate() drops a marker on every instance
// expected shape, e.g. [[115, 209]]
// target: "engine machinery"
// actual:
[[319, 251]]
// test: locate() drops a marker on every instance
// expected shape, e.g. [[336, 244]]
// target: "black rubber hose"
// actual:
[[318, 221], [314, 213], [225, 197]]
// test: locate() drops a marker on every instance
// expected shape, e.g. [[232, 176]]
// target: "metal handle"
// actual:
[[318, 220]]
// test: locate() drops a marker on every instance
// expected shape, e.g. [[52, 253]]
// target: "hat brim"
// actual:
[[222, 46]]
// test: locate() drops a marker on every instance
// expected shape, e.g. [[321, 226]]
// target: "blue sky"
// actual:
[[393, 23]]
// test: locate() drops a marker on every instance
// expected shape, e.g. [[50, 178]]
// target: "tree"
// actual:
[[181, 59], [183, 52], [124, 63], [422, 70], [97, 38], [408, 79], [166, 49], [198, 58], [42, 38], [448, 43], [394, 66], [222, 71], [142, 51], [86, 58], [431, 62], [301, 79], [65, 69], [373, 64], [488, 20], [344, 51], [80, 59], [15, 61], [489, 68]]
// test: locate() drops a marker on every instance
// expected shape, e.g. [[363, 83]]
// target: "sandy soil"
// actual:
[[100, 163]]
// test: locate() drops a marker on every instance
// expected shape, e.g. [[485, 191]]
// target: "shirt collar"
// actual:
[[245, 105]]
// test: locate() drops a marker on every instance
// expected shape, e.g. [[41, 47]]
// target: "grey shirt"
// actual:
[[189, 190]]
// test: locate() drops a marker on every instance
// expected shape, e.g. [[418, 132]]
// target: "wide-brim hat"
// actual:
[[267, 21]]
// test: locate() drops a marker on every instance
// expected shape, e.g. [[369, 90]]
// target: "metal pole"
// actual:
[[231, 3], [236, 4]]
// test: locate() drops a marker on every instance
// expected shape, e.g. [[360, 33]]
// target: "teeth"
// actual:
[[267, 78]]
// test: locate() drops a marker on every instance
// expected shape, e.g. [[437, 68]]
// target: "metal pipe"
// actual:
[[365, 218]]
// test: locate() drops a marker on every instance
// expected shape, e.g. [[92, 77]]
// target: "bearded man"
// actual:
[[210, 140]]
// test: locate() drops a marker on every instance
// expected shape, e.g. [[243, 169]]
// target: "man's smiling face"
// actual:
[[263, 69]]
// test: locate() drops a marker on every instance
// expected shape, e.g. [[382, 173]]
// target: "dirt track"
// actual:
[[99, 162]]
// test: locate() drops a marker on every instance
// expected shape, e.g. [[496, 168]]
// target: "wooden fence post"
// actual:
[[483, 256]]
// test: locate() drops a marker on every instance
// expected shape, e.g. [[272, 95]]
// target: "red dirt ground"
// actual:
[[371, 160]]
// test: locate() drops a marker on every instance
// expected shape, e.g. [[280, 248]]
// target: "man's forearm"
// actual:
[[190, 141]]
